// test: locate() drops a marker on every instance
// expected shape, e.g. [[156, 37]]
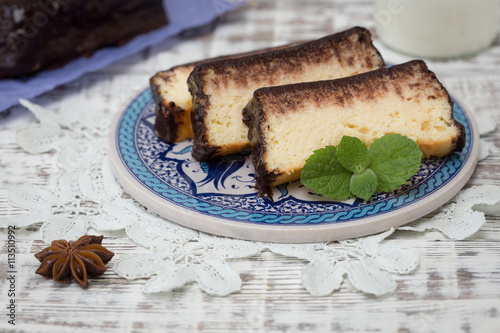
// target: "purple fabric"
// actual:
[[182, 14]]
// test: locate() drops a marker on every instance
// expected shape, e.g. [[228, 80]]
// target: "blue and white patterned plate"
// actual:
[[219, 198]]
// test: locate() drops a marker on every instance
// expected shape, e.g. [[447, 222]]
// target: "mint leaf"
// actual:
[[324, 174], [394, 158], [353, 154], [353, 169], [364, 185]]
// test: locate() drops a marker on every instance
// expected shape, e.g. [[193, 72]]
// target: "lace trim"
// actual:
[[87, 196]]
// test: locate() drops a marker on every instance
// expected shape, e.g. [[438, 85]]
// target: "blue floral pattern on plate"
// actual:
[[223, 188]]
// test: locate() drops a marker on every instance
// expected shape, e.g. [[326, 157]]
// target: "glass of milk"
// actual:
[[437, 29]]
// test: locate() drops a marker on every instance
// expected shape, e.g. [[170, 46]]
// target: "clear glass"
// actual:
[[437, 29]]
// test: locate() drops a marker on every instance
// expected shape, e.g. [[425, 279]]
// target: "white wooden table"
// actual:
[[455, 289]]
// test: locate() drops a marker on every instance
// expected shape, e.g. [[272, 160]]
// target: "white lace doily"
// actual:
[[87, 197]]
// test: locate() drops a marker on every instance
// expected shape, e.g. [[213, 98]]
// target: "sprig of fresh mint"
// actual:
[[351, 169]]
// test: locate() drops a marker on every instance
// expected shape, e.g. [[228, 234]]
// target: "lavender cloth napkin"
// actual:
[[182, 14]]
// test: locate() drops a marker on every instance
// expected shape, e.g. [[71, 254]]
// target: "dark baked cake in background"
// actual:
[[42, 34]]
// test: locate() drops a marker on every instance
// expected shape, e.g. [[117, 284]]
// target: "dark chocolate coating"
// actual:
[[165, 125], [252, 115], [201, 152]]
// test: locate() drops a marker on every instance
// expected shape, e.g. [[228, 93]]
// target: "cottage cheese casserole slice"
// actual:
[[173, 101], [221, 89], [287, 123]]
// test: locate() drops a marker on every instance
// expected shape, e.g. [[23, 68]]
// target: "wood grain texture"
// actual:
[[455, 289]]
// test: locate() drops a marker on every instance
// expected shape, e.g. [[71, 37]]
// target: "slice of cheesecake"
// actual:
[[221, 89], [173, 100], [173, 103], [287, 123]]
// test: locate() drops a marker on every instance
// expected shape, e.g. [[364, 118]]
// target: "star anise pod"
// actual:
[[85, 257]]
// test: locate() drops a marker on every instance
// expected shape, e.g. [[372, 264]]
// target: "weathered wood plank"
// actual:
[[456, 281]]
